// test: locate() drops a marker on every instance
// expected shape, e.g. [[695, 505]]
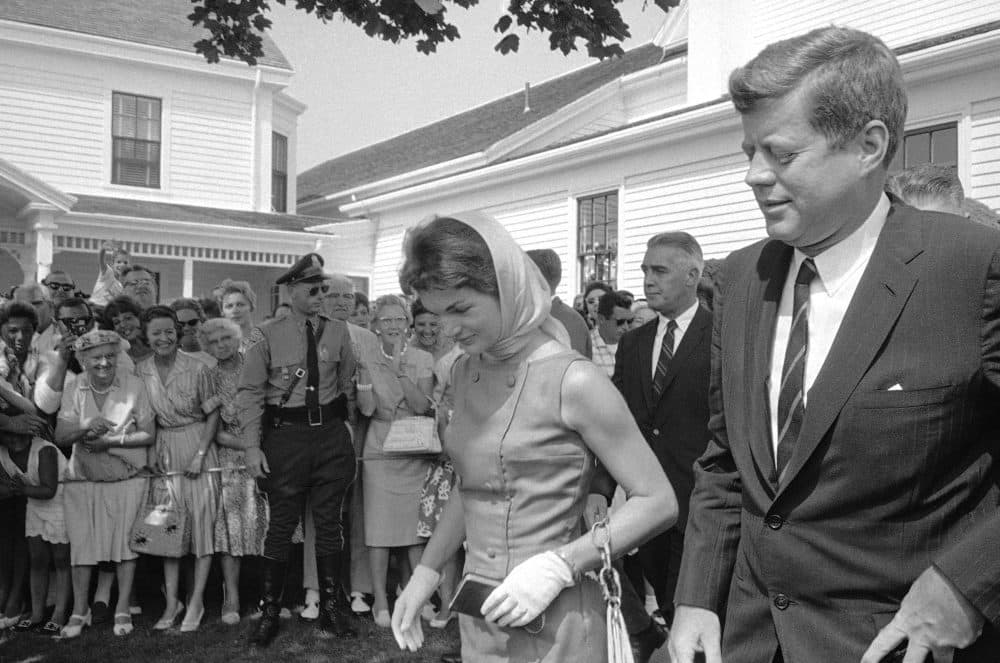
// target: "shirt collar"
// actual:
[[682, 320], [836, 264]]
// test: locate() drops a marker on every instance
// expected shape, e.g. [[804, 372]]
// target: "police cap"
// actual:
[[308, 269]]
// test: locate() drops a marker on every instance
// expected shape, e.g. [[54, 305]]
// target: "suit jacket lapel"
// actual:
[[880, 297], [765, 292], [699, 326], [644, 359]]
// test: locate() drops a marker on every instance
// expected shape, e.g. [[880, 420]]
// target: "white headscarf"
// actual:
[[525, 300]]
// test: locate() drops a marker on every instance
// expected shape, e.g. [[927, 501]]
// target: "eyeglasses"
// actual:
[[340, 295], [318, 289], [626, 321], [399, 320], [135, 282], [193, 322], [72, 322], [65, 287]]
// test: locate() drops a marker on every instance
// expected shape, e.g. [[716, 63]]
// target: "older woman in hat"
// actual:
[[529, 418], [106, 417]]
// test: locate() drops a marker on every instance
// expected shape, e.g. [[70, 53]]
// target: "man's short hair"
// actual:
[[74, 302], [549, 265], [682, 241], [927, 180], [136, 268], [31, 292], [611, 299], [18, 310], [852, 78]]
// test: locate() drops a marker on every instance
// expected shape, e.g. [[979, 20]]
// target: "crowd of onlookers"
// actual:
[[112, 402]]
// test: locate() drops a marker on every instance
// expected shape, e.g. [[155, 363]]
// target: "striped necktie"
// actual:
[[791, 396], [663, 361]]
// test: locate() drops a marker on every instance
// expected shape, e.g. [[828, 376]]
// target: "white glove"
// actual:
[[406, 625], [528, 590]]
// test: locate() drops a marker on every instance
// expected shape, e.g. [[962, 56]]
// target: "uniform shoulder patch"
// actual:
[[256, 336]]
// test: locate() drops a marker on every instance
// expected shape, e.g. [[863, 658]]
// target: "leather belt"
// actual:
[[335, 409]]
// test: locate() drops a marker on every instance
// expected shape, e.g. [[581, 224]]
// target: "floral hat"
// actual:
[[98, 337]]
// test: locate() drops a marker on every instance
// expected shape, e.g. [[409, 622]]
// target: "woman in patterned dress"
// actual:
[[241, 522], [177, 384]]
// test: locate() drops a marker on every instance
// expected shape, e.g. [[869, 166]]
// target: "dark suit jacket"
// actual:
[[882, 483], [676, 424], [579, 335]]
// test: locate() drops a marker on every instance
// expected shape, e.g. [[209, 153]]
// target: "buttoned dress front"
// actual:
[[524, 478]]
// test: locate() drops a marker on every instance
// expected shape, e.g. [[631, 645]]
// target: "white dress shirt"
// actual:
[[839, 270], [683, 321]]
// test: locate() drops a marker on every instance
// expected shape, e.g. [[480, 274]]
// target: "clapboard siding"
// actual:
[[52, 124], [984, 153], [707, 199], [897, 23], [541, 223], [388, 259], [211, 149]]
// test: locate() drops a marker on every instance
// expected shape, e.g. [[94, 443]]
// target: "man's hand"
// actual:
[[97, 444], [65, 346], [934, 618], [695, 630], [257, 463], [27, 424]]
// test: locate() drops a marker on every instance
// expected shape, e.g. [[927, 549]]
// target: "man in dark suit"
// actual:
[[662, 371], [846, 506], [551, 268]]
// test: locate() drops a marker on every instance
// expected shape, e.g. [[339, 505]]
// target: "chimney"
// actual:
[[527, 97]]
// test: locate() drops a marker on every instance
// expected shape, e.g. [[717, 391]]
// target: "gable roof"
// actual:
[[469, 132], [209, 216], [153, 22]]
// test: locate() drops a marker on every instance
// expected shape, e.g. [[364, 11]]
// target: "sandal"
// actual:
[[27, 625], [74, 627], [123, 624], [168, 622], [51, 628]]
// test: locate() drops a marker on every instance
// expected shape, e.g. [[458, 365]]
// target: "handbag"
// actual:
[[619, 647], [159, 527], [413, 435]]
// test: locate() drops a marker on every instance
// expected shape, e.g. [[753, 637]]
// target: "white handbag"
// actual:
[[413, 435]]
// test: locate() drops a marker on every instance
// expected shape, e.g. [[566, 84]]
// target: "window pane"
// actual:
[[918, 149], [944, 146], [585, 214], [612, 208], [613, 236], [588, 270]]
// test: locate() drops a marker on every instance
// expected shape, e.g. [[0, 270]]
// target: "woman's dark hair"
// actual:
[[190, 304], [447, 253], [417, 308], [595, 285], [19, 310], [117, 306], [361, 299], [156, 312]]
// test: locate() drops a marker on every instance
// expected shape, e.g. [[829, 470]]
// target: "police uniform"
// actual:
[[297, 412]]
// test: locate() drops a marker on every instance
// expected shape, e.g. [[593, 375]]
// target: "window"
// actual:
[[597, 238], [937, 144], [279, 173], [135, 140]]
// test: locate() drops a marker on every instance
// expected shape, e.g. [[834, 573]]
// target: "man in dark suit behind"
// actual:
[[551, 267], [846, 506], [662, 371]]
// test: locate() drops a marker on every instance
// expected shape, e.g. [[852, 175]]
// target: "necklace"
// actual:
[[98, 391], [402, 349]]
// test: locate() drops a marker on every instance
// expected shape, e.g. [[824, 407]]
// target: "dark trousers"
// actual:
[[661, 562], [316, 461]]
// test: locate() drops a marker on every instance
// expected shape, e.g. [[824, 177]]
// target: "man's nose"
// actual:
[[759, 172]]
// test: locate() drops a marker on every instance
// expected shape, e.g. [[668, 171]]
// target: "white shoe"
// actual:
[[358, 604], [428, 612], [311, 611]]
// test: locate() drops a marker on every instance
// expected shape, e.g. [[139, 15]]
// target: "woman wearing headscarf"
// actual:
[[106, 416], [529, 417]]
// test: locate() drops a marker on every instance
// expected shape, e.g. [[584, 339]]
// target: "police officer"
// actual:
[[293, 402]]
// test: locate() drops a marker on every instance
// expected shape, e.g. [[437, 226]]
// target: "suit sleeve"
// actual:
[[348, 366], [973, 562], [713, 527], [618, 377]]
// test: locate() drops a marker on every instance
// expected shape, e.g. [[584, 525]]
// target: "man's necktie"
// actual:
[[663, 361], [312, 366], [791, 396]]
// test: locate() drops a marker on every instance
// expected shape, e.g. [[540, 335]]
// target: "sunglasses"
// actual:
[[315, 290], [193, 322], [65, 287], [72, 322], [135, 282], [622, 323]]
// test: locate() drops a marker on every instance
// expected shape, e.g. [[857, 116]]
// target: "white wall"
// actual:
[[56, 124]]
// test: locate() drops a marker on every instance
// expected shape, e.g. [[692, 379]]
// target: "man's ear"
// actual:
[[873, 143]]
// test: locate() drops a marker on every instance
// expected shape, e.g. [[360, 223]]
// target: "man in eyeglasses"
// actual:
[[61, 286], [139, 283], [293, 405], [614, 315]]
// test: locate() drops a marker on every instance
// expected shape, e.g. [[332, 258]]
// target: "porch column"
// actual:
[[36, 262], [187, 288]]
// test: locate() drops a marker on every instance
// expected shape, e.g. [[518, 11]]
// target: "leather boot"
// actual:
[[273, 580], [334, 608], [647, 642]]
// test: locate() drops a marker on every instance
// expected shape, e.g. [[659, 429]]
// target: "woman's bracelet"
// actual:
[[575, 572]]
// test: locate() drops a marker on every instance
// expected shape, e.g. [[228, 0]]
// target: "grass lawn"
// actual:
[[217, 643]]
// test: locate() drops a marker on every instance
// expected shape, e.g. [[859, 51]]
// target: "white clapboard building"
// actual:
[[595, 161], [113, 127]]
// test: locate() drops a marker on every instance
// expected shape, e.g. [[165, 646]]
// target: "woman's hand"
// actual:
[[528, 590], [96, 445], [211, 404], [195, 466], [256, 463], [397, 352], [98, 427], [406, 627]]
